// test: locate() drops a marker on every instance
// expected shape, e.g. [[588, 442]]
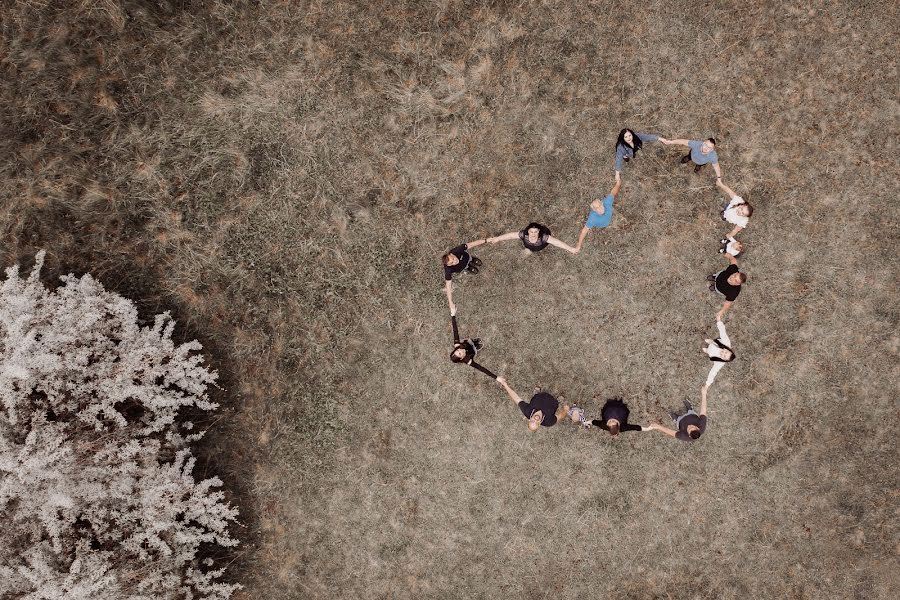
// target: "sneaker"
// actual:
[[537, 390], [477, 343], [475, 261], [723, 241], [674, 415], [472, 269], [710, 277], [688, 405], [712, 287], [697, 168], [685, 159], [721, 250]]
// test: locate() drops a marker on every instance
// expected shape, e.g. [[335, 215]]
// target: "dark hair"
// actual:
[[733, 356], [465, 358], [749, 209], [712, 141], [636, 142], [695, 434], [444, 258], [742, 277], [614, 429]]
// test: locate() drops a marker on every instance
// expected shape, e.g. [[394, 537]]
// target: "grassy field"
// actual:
[[284, 178]]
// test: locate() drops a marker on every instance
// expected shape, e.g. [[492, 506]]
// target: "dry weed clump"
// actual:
[[285, 176]]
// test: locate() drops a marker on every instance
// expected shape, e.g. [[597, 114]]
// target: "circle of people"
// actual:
[[545, 409]]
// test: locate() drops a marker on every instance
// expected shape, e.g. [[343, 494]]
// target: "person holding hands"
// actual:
[[458, 260], [737, 212], [689, 426], [727, 282], [535, 237], [542, 411], [701, 153]]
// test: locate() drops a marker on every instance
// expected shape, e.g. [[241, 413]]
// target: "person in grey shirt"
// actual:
[[629, 143], [701, 153]]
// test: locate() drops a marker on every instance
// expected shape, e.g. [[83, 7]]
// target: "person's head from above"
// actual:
[[737, 278], [744, 210], [613, 425], [693, 431], [628, 138], [708, 145], [450, 260], [459, 354], [533, 234], [597, 206], [726, 355], [534, 423], [738, 247]]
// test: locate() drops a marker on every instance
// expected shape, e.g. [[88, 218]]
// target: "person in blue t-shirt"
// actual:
[[601, 214]]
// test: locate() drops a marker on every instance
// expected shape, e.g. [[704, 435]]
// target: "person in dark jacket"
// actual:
[[535, 237], [614, 418], [465, 351], [543, 410], [458, 260]]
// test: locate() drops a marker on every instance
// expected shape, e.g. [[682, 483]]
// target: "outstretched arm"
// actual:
[[448, 288], [730, 258], [559, 244], [615, 189], [724, 187], [512, 235], [737, 229], [661, 429], [484, 370], [476, 243], [703, 401], [581, 236], [725, 308], [678, 142], [511, 392], [453, 324], [718, 171], [723, 335]]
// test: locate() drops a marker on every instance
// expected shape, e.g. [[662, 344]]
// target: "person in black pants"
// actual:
[[457, 260], [542, 411], [614, 418], [464, 351], [727, 282], [535, 237]]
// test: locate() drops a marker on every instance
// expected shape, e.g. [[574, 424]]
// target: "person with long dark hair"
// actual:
[[465, 351], [535, 237], [719, 352], [614, 418], [629, 143]]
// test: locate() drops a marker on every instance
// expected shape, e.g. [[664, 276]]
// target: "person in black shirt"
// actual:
[[457, 260], [727, 282], [535, 237], [614, 418], [543, 409], [465, 351], [689, 426]]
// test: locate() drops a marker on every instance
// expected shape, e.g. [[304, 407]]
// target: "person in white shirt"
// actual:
[[719, 351], [737, 212], [731, 246]]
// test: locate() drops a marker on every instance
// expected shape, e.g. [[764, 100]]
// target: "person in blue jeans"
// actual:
[[688, 426], [601, 214], [702, 152], [629, 143]]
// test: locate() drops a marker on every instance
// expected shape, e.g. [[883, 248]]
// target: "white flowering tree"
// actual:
[[97, 496]]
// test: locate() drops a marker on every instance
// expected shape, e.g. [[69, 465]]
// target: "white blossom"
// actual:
[[97, 494]]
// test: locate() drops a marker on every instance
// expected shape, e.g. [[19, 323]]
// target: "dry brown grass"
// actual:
[[284, 178]]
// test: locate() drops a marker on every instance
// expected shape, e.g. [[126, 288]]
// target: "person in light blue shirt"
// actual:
[[601, 214], [702, 152], [629, 143]]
